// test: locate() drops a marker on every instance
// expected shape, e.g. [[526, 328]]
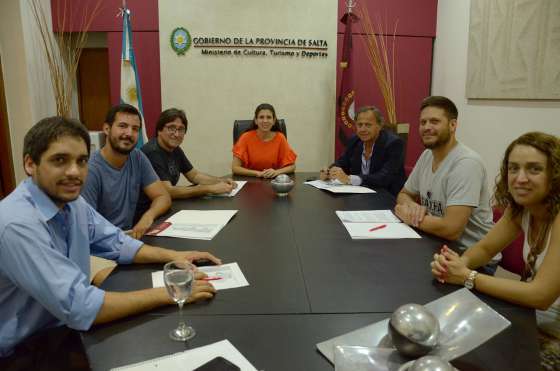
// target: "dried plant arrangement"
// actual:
[[63, 49], [376, 39]]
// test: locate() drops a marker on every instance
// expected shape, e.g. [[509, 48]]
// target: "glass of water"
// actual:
[[179, 279]]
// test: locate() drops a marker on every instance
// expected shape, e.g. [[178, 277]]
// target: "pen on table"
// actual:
[[211, 278], [378, 227]]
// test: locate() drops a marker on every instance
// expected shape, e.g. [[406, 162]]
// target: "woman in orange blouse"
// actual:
[[263, 151]]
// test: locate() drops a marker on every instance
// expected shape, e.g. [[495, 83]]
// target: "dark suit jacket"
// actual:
[[386, 168]]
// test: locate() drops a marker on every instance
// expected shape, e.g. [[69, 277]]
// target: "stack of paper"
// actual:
[[194, 224], [375, 224], [194, 358], [335, 186], [222, 277]]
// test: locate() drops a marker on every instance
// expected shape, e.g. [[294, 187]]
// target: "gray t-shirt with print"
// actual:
[[460, 180]]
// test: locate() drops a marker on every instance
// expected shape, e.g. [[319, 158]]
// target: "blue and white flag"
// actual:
[[130, 83]]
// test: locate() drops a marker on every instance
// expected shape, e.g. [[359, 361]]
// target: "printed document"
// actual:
[[375, 224], [368, 216], [240, 184], [194, 224], [335, 186], [191, 359], [222, 277]]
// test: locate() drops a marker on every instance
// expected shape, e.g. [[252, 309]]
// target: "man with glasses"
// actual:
[[119, 173], [169, 160]]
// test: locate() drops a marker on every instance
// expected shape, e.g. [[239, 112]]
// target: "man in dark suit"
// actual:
[[374, 157]]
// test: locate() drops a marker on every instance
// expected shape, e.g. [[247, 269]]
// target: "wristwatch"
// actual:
[[469, 282]]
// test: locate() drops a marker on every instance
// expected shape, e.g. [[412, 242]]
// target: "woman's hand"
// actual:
[[448, 266], [269, 173]]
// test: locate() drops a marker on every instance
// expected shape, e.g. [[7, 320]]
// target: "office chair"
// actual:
[[240, 126]]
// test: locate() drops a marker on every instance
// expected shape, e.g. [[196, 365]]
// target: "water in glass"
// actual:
[[179, 278]]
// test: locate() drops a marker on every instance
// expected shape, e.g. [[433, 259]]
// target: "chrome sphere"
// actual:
[[283, 178], [282, 184], [414, 330], [431, 363]]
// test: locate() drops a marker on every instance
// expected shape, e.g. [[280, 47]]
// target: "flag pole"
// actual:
[[130, 82], [345, 98]]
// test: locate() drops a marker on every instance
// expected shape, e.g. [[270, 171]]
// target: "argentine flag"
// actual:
[[130, 83]]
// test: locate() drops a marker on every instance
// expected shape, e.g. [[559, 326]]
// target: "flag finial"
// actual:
[[350, 4], [123, 10]]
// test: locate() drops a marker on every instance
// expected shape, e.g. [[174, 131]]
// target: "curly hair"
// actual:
[[549, 145]]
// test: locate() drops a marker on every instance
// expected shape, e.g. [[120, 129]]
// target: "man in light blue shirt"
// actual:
[[47, 233]]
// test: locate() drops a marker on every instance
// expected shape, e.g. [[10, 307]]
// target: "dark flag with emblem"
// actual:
[[345, 99]]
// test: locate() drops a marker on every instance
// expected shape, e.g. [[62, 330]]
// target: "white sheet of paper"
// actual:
[[240, 184], [230, 276], [335, 186], [191, 359], [368, 216], [361, 231], [197, 224], [350, 189]]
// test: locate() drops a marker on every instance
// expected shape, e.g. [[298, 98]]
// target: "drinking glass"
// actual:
[[179, 279]]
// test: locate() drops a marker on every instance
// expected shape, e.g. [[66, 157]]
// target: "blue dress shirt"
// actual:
[[386, 164], [355, 179], [45, 264]]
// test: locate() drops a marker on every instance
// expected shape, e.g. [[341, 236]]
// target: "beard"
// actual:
[[114, 143], [442, 139]]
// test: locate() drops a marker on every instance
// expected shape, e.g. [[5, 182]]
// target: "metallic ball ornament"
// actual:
[[282, 184], [431, 363], [414, 330], [283, 178]]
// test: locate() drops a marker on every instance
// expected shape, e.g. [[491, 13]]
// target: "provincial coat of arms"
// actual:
[[180, 40]]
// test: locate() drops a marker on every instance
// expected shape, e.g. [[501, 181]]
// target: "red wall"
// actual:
[[414, 42], [145, 39], [416, 18], [413, 63]]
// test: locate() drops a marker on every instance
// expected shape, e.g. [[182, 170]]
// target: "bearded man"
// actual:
[[447, 192], [119, 173]]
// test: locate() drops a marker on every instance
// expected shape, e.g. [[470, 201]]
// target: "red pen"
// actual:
[[378, 227], [211, 278]]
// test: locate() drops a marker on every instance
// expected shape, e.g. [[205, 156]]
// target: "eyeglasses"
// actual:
[[181, 130]]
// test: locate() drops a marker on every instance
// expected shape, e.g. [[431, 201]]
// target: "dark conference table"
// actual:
[[309, 282]]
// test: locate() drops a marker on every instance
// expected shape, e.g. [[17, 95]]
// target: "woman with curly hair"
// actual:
[[528, 188]]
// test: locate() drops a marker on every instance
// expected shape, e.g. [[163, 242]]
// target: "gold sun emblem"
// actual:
[[132, 94]]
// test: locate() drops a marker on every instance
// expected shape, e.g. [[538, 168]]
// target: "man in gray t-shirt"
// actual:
[[118, 173], [447, 191]]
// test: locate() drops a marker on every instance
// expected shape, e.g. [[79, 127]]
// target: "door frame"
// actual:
[[7, 178]]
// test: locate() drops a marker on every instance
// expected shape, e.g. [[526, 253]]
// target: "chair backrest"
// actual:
[[240, 126], [512, 255]]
